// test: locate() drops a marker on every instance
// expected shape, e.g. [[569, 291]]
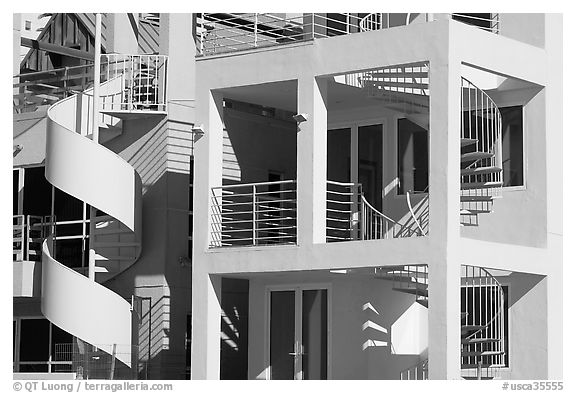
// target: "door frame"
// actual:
[[298, 288]]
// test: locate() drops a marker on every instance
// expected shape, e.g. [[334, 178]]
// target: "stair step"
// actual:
[[467, 142], [464, 212], [474, 186], [475, 156], [471, 341], [400, 85], [480, 170], [481, 353], [467, 330], [469, 366], [423, 302], [114, 258], [476, 198], [413, 291], [401, 74], [398, 278]]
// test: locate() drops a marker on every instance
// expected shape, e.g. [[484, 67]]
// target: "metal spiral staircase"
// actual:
[[404, 88], [77, 165], [482, 316]]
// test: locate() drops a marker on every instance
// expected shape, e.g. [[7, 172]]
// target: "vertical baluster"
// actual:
[[254, 215]]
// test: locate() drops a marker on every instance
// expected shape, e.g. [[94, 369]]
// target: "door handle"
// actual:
[[293, 353]]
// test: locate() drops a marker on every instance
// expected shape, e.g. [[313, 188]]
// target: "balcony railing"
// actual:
[[349, 216], [28, 232], [254, 214]]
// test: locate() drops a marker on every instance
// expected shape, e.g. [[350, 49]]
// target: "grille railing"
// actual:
[[142, 79], [253, 214], [28, 233]]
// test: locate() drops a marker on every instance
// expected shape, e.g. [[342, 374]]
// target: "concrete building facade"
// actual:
[[293, 196]]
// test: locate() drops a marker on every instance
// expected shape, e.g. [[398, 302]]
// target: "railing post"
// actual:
[[255, 30], [254, 215]]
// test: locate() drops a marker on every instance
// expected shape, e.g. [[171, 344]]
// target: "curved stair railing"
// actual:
[[481, 152], [378, 21], [483, 346], [92, 173]]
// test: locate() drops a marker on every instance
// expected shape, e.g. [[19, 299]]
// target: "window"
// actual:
[[39, 346], [412, 157], [512, 146], [27, 25]]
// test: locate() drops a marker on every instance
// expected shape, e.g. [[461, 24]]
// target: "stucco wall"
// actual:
[[355, 301], [519, 217]]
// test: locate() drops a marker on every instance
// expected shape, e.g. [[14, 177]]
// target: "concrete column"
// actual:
[[206, 291], [444, 273], [553, 42], [206, 314], [311, 160]]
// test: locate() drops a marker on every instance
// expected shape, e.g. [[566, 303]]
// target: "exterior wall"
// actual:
[[254, 145], [528, 28], [519, 217], [528, 326], [349, 356]]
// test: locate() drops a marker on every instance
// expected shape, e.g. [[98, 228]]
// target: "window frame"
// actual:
[[16, 363], [509, 104]]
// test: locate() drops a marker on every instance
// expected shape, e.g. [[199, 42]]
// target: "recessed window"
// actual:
[[28, 25], [512, 146], [412, 157]]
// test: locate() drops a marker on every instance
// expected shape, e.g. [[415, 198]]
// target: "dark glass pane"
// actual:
[[15, 177], [512, 146], [33, 368], [34, 337], [37, 193], [66, 207], [61, 344], [314, 333], [338, 162], [282, 334], [336, 24], [69, 252], [480, 19], [412, 157], [370, 163], [234, 329]]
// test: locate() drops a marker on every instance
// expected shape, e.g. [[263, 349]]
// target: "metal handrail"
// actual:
[[246, 215], [408, 202]]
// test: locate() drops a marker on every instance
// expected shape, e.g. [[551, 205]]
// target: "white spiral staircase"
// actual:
[[482, 316], [90, 172], [404, 88]]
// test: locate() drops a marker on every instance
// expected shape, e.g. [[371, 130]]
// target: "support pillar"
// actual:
[[205, 362], [444, 273], [311, 160]]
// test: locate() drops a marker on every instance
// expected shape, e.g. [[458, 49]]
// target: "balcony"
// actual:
[[219, 33], [28, 233], [255, 214]]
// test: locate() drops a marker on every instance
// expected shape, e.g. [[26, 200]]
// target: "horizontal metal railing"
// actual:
[[491, 24], [253, 214], [349, 216], [28, 232], [229, 32], [35, 89], [142, 79]]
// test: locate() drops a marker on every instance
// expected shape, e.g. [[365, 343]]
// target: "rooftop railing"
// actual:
[[230, 32]]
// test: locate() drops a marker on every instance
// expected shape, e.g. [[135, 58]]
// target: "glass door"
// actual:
[[298, 333]]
